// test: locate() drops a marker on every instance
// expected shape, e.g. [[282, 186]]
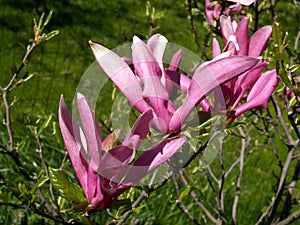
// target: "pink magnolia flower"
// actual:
[[214, 10], [257, 85], [149, 85], [105, 172]]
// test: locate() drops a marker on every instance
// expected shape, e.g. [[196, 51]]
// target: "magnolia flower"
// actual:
[[105, 171], [148, 85], [257, 84], [214, 10]]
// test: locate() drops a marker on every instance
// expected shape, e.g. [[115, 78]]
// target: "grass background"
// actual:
[[59, 65]]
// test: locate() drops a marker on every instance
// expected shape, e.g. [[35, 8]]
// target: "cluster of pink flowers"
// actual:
[[214, 9], [237, 71], [255, 84]]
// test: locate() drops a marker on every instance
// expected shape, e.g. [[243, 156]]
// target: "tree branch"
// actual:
[[239, 178]]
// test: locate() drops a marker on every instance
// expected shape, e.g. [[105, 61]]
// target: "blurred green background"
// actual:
[[60, 63]]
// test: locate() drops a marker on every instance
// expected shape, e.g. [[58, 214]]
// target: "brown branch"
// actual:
[[272, 208], [194, 28], [288, 201], [6, 90], [13, 205], [181, 205], [282, 122], [140, 199], [290, 219], [221, 183]]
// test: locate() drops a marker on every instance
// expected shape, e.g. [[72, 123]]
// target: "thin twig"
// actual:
[[194, 28], [40, 151], [288, 200], [196, 199], [271, 209], [13, 205], [281, 120], [239, 178], [181, 205], [6, 90], [290, 219], [221, 183], [141, 198]]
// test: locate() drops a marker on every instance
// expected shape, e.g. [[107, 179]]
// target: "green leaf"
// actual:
[[293, 68], [185, 192], [283, 75], [279, 46], [50, 35], [45, 124], [56, 133], [276, 34], [40, 23], [22, 188], [20, 146], [66, 189], [48, 18], [160, 14], [84, 220], [41, 181]]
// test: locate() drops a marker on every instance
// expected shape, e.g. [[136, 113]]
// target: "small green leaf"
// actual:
[[160, 14], [195, 11], [48, 18], [67, 190], [56, 133], [40, 23], [276, 34], [185, 192], [20, 146], [84, 220], [148, 8], [41, 181], [27, 78], [283, 75], [293, 68], [45, 124], [22, 188], [50, 35]]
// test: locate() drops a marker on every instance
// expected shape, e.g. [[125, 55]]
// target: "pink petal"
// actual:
[[147, 68], [154, 157], [259, 40], [121, 74], [71, 135], [260, 93], [115, 163], [216, 50], [244, 82], [243, 2], [174, 66], [235, 8], [205, 105], [209, 9], [92, 183], [205, 79], [182, 81], [227, 29], [157, 44], [175, 61], [91, 131], [145, 62], [139, 130], [241, 34]]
